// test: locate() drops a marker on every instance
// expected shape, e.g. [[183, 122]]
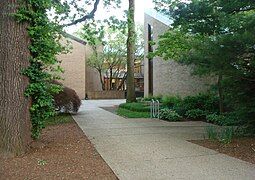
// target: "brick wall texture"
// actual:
[[77, 75]]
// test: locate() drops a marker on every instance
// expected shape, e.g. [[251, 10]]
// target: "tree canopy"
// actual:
[[217, 37]]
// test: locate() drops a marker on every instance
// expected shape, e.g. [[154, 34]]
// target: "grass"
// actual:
[[138, 107], [132, 114], [59, 119]]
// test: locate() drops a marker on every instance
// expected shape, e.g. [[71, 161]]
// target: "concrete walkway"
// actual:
[[154, 149]]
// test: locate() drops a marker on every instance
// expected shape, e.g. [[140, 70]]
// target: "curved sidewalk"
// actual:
[[155, 149]]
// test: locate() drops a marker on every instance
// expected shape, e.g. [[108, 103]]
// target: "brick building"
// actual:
[[77, 75], [167, 77]]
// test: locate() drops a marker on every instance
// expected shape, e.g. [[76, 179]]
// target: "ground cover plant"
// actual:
[[169, 115]]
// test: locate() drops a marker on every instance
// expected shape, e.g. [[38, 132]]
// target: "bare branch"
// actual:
[[87, 16]]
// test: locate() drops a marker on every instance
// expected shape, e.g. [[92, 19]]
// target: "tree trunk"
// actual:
[[122, 82], [15, 125], [110, 78], [101, 80], [220, 91], [131, 53]]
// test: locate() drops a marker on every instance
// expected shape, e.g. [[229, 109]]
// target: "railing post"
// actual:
[[154, 109], [157, 109]]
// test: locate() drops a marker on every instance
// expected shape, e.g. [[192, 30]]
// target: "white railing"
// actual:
[[154, 109]]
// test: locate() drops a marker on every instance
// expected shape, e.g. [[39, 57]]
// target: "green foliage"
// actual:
[[196, 114], [226, 135], [45, 45], [223, 135], [44, 18], [227, 119], [168, 114], [204, 102], [58, 119], [217, 37], [211, 132], [132, 114], [138, 107], [149, 98], [170, 101]]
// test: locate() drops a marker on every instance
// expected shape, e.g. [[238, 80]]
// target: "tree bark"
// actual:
[[122, 82], [101, 79], [111, 78], [131, 53], [15, 134], [220, 92]]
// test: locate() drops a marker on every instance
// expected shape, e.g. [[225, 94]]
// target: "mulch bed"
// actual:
[[63, 152], [241, 148]]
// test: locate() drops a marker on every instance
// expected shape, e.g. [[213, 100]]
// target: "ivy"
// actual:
[[45, 44], [45, 36]]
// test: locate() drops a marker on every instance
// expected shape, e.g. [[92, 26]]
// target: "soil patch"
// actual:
[[241, 148], [64, 152]]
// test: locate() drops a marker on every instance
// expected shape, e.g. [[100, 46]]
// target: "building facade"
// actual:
[[167, 77], [76, 74]]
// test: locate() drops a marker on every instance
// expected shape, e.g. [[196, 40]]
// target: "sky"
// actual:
[[140, 6]]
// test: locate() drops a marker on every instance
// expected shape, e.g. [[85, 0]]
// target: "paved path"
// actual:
[[154, 149]]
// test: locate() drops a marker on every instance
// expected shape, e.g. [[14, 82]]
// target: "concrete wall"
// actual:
[[169, 77], [73, 64]]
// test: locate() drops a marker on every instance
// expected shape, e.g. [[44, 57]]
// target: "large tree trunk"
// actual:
[[14, 57], [131, 53]]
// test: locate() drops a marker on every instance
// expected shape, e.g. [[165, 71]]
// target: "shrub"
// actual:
[[228, 119], [212, 133], [170, 101], [196, 114], [224, 135], [67, 100], [204, 102], [149, 98], [139, 107], [170, 115]]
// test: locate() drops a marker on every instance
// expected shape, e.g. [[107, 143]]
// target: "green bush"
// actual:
[[212, 132], [170, 115], [224, 135], [204, 102], [170, 101], [228, 119], [149, 98], [196, 114], [138, 107]]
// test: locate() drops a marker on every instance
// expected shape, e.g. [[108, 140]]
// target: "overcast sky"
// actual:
[[102, 13]]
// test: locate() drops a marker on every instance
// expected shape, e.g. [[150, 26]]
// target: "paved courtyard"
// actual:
[[155, 149]]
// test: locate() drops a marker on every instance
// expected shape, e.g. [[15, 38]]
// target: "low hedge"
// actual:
[[138, 107]]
